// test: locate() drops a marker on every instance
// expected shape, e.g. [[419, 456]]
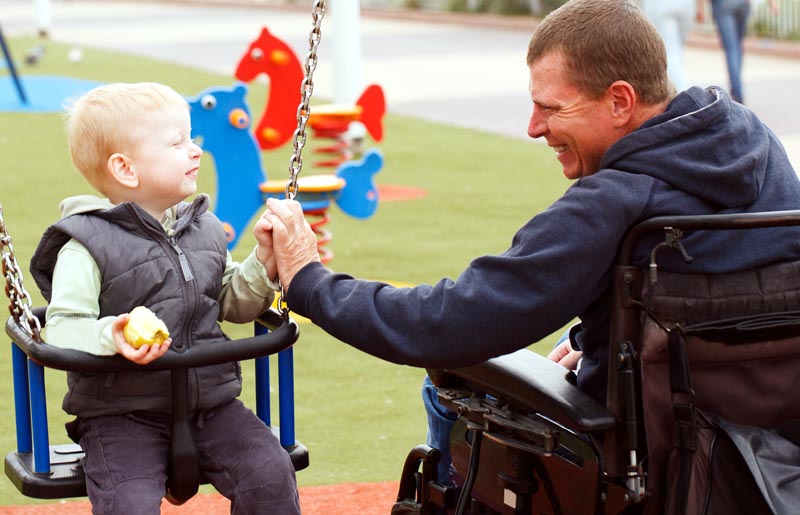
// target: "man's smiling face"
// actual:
[[577, 127]]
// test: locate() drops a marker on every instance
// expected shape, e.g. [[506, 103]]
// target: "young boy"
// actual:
[[143, 245]]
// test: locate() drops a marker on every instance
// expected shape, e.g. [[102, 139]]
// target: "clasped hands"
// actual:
[[286, 242]]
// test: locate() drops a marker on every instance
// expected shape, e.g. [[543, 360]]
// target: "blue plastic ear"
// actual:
[[223, 127], [359, 197]]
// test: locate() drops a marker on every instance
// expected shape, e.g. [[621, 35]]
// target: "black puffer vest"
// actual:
[[178, 277]]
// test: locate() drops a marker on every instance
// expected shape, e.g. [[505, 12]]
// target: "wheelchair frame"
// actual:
[[522, 408]]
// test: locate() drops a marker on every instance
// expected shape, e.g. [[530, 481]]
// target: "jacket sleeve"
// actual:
[[246, 290], [557, 266], [72, 315]]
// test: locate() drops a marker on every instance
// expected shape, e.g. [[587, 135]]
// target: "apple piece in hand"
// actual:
[[144, 328]]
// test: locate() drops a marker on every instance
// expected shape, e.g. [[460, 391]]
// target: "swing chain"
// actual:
[[19, 299], [303, 112], [306, 89]]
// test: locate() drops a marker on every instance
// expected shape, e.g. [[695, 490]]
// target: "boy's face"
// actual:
[[165, 159]]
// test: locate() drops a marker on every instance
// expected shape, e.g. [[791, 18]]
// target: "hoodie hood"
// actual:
[[127, 216], [81, 204], [699, 126]]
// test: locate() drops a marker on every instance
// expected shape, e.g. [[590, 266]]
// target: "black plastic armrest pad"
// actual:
[[283, 336], [530, 381]]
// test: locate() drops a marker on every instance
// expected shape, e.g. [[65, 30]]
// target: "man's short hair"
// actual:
[[604, 41], [105, 120]]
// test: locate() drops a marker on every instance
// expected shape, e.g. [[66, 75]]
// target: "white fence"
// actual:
[[535, 7], [784, 25]]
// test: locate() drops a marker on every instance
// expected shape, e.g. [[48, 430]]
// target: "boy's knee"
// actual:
[[268, 473], [131, 497], [255, 502], [271, 487]]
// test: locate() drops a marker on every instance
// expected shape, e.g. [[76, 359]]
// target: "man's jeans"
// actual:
[[441, 421]]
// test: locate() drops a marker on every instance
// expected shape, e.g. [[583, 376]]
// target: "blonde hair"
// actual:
[[604, 41], [104, 121]]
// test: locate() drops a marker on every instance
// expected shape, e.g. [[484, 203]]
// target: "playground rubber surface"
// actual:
[[341, 499], [395, 193], [46, 94]]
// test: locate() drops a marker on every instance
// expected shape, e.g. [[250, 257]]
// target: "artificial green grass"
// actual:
[[358, 416]]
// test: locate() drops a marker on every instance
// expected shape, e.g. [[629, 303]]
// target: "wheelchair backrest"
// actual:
[[746, 375]]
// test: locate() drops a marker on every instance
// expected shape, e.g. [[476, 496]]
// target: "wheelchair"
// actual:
[[702, 409], [45, 471]]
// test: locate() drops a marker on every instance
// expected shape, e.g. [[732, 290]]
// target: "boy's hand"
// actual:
[[264, 251], [144, 354]]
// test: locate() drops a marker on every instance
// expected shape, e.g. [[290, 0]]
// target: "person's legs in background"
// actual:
[[673, 20], [731, 21], [741, 16], [673, 39]]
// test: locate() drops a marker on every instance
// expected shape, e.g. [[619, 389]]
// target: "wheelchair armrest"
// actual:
[[283, 335], [532, 382]]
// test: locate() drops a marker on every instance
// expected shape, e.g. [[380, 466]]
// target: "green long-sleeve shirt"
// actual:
[[73, 314]]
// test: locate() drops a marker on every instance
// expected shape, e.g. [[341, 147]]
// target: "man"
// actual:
[[602, 100]]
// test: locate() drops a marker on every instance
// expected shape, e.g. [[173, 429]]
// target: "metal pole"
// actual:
[[262, 382], [22, 400], [286, 397], [348, 75], [43, 17], [11, 68]]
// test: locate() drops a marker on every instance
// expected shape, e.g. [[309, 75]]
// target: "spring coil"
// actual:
[[317, 219]]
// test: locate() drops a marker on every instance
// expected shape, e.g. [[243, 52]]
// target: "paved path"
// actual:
[[466, 75]]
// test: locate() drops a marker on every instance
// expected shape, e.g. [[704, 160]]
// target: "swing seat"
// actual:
[[701, 415], [58, 473], [64, 480]]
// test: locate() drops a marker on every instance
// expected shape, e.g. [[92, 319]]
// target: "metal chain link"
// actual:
[[306, 89], [19, 300], [303, 112]]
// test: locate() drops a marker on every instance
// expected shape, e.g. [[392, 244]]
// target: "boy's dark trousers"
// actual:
[[126, 461]]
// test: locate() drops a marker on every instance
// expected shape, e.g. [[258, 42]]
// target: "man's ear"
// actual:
[[121, 170], [622, 98]]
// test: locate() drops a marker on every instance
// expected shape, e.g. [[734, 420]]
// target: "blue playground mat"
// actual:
[[45, 93]]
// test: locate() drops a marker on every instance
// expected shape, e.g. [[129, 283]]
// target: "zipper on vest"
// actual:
[[170, 234], [185, 268]]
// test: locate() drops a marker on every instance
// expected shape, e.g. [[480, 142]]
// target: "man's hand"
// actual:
[[294, 243], [144, 354], [565, 356]]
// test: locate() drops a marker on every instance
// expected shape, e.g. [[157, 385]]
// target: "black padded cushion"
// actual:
[[533, 383]]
